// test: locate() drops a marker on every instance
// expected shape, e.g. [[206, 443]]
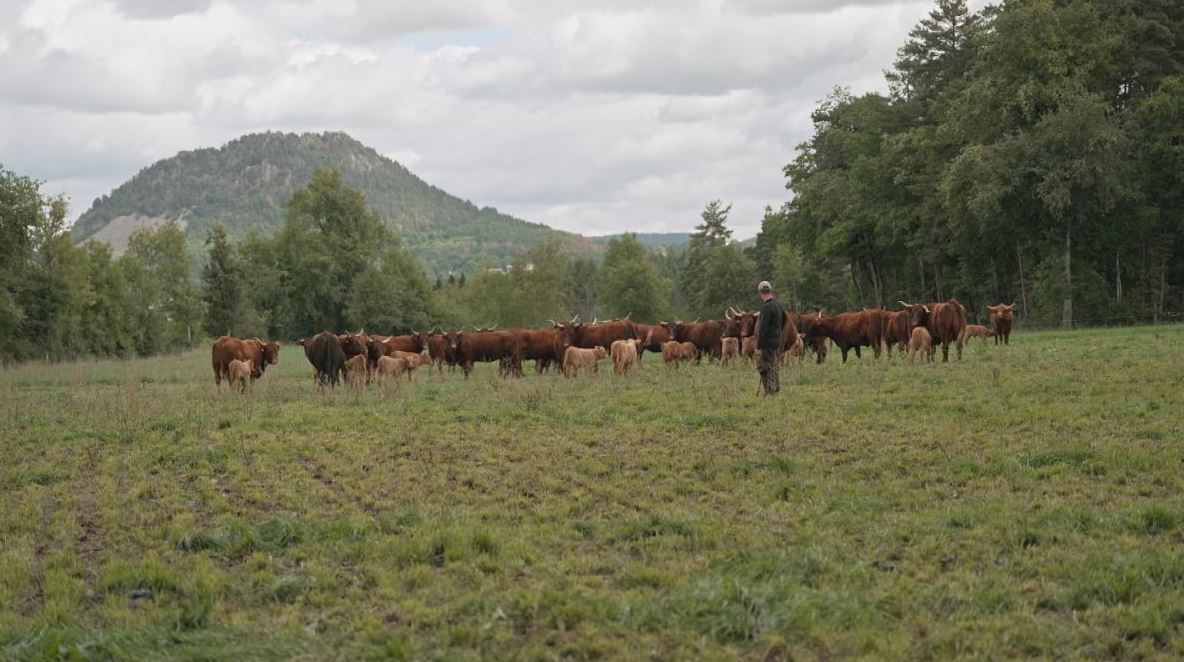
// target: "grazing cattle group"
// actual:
[[574, 346]]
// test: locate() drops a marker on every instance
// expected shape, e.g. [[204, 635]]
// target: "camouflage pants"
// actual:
[[767, 366]]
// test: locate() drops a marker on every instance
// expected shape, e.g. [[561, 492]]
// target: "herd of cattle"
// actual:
[[357, 358]]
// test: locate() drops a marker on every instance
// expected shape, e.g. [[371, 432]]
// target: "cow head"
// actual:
[[918, 314], [745, 320], [730, 323], [352, 343], [810, 324], [453, 339], [601, 352], [271, 354], [1002, 311], [673, 329]]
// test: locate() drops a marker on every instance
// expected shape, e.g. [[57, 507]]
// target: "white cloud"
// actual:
[[592, 116]]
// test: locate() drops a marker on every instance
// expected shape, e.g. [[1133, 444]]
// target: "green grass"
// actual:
[[1023, 503]]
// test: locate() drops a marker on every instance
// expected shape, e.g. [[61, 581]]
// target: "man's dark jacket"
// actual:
[[768, 330]]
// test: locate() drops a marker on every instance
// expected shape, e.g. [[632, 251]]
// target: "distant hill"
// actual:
[[245, 184], [651, 239]]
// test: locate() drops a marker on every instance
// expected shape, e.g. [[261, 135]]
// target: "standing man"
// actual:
[[768, 338]]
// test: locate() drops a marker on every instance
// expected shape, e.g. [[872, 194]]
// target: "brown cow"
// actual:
[[543, 346], [920, 342], [847, 330], [414, 342], [815, 343], [229, 348], [896, 331], [326, 356], [355, 371], [624, 353], [706, 336], [436, 345], [486, 346], [652, 337], [597, 334], [390, 369], [975, 331], [239, 372], [944, 321], [1001, 318], [575, 358]]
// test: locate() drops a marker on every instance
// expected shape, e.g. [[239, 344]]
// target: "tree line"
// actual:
[[1032, 152]]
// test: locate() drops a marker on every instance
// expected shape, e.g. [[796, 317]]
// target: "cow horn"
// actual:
[[728, 313], [906, 305], [553, 322], [595, 319], [629, 315], [493, 328]]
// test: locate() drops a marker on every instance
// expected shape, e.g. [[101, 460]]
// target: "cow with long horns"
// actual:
[[945, 322]]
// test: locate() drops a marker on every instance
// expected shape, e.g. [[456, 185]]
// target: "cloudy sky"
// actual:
[[590, 115]]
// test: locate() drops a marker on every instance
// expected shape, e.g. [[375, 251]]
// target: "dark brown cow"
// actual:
[[486, 346], [817, 343], [896, 332], [706, 336], [438, 349], [257, 352], [1001, 318], [847, 330], [652, 337], [326, 356], [597, 334], [945, 322], [405, 343], [543, 346]]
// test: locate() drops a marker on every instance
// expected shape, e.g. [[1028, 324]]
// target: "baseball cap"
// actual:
[[764, 287]]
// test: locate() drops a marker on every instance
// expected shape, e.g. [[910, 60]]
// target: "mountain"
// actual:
[[245, 183]]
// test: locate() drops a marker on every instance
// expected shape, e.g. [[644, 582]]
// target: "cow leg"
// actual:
[[858, 354], [945, 351]]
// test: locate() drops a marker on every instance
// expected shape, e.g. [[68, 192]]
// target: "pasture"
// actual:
[[1027, 502]]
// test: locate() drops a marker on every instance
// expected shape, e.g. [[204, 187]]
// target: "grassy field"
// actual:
[[1023, 503]]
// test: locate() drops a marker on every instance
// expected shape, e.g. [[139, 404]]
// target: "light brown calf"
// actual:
[[797, 351], [921, 342], [624, 353], [748, 347], [976, 331], [390, 369], [729, 351], [576, 358], [674, 353], [239, 372], [355, 371]]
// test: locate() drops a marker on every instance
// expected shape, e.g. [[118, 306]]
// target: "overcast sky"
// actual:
[[589, 115]]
